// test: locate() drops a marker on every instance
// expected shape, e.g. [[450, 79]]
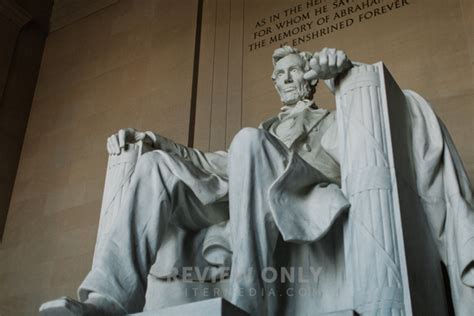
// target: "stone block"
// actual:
[[212, 307]]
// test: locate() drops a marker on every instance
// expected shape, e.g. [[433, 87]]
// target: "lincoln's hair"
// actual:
[[284, 51]]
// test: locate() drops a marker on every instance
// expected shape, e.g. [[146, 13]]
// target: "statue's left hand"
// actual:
[[327, 64]]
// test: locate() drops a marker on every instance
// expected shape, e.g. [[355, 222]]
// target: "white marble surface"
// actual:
[[214, 307]]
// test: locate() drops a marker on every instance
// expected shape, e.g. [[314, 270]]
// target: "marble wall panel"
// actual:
[[125, 64]]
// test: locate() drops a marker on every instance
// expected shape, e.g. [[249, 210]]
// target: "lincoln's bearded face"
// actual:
[[288, 78]]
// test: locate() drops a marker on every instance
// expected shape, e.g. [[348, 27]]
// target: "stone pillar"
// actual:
[[390, 257], [23, 30], [373, 259]]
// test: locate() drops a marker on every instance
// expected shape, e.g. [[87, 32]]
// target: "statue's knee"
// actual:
[[247, 139], [147, 162], [154, 162]]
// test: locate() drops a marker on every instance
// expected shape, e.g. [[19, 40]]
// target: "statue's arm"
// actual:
[[215, 162]]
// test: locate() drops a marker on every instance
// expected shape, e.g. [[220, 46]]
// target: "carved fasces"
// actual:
[[119, 170], [372, 244]]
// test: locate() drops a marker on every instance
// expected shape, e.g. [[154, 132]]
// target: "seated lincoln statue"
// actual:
[[279, 181]]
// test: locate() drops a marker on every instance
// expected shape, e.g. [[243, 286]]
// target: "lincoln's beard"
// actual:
[[302, 91]]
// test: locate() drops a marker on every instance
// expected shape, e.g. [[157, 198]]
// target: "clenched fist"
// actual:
[[327, 64]]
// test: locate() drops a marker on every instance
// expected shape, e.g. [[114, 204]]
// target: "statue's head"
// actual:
[[289, 67]]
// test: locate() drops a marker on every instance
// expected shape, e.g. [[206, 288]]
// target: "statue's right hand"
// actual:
[[118, 141]]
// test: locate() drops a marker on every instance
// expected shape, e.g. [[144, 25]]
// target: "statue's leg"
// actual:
[[158, 186], [256, 159]]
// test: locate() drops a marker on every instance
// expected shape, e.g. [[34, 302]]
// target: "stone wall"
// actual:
[[127, 65], [23, 32]]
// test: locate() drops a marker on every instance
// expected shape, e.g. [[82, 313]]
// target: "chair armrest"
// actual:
[[119, 170]]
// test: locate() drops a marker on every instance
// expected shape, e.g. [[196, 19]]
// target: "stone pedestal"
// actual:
[[212, 307]]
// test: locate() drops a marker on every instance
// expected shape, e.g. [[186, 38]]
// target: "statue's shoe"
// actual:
[[66, 306]]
